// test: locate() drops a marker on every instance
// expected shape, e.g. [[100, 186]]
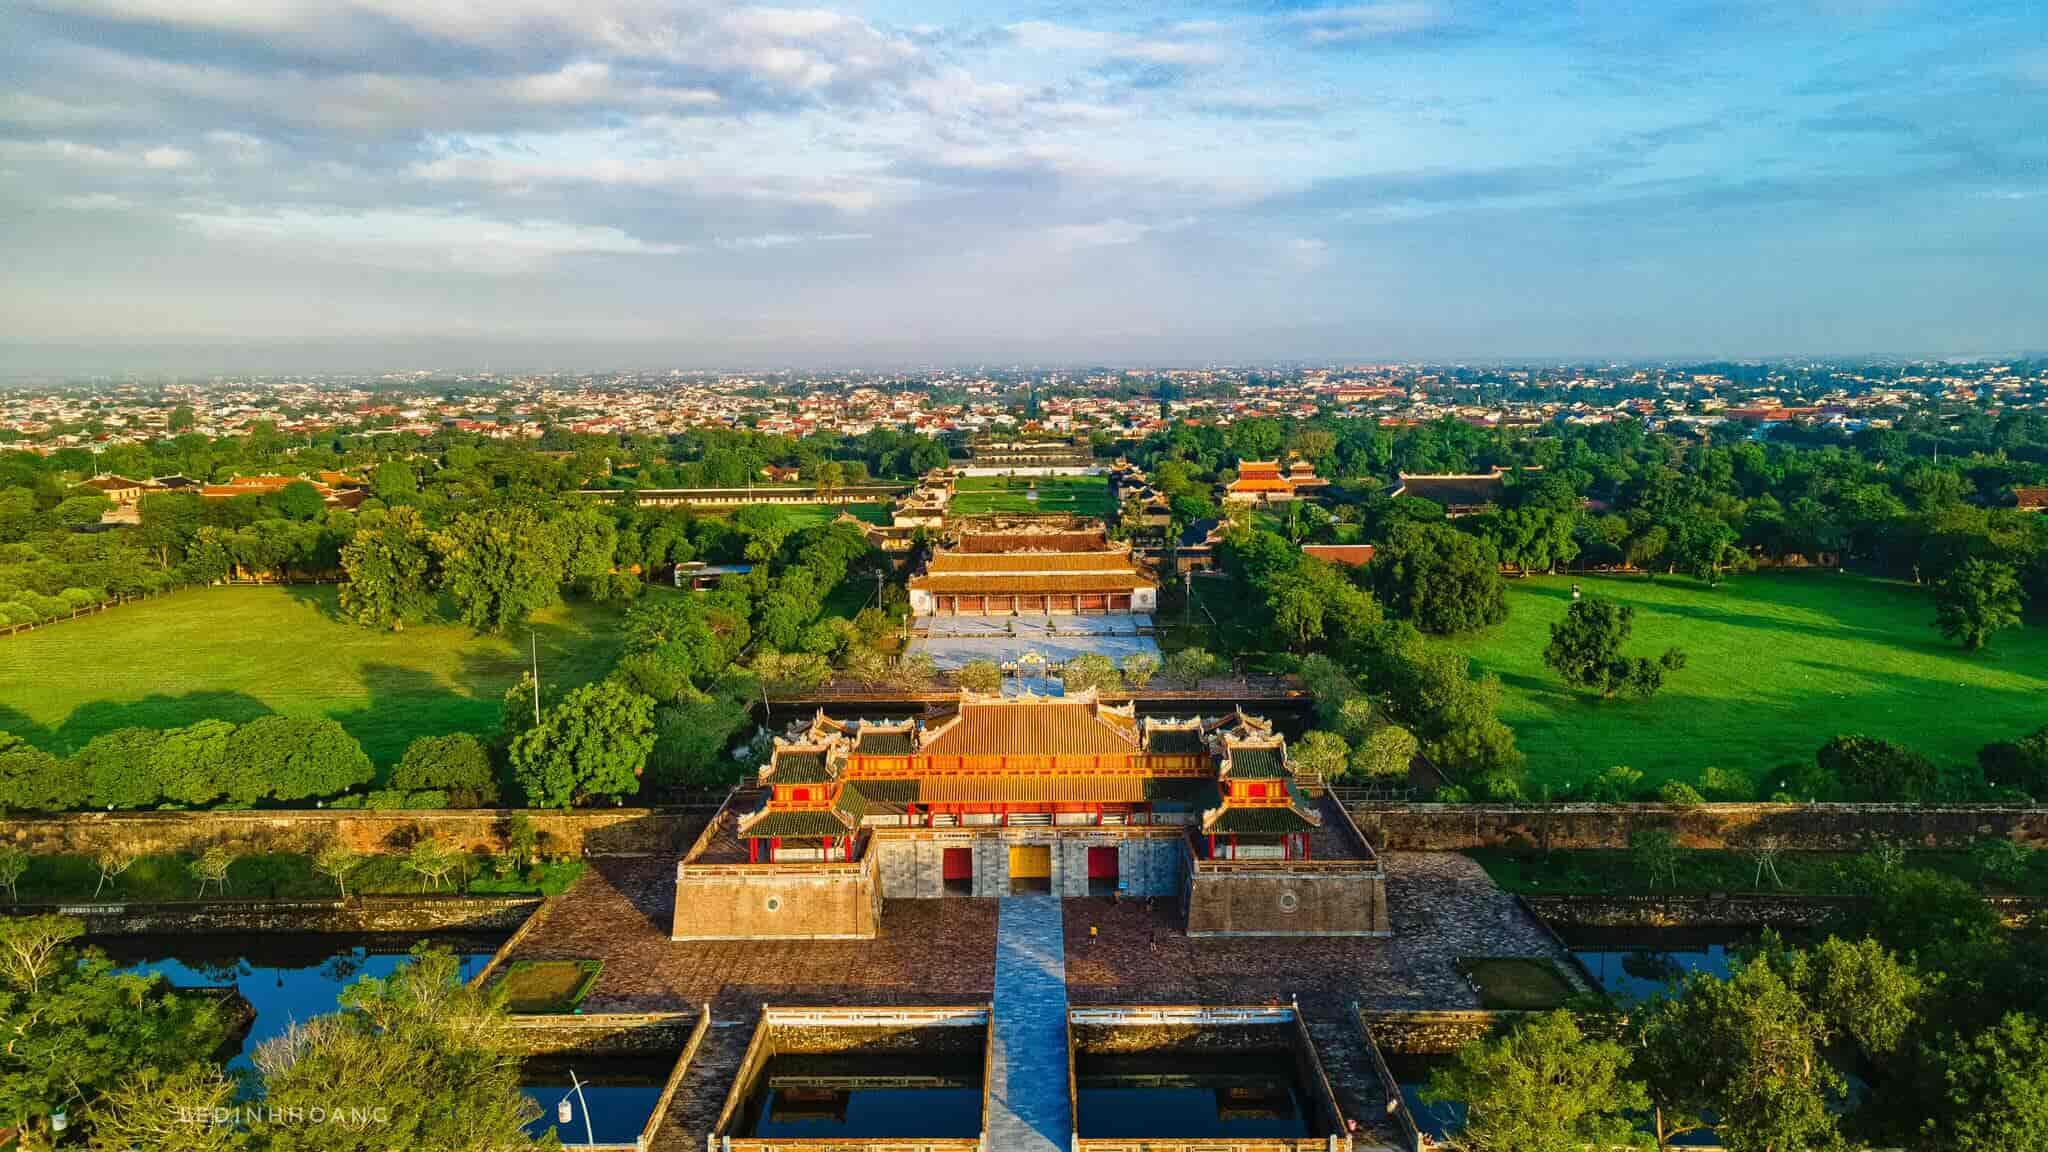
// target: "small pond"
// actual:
[[291, 978], [618, 1095], [1632, 965], [866, 1096], [1191, 1095]]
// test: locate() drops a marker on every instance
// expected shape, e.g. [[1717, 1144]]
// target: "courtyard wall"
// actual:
[[594, 832], [1795, 827]]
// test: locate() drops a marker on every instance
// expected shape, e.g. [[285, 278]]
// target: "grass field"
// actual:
[[1779, 664], [1009, 495], [239, 653]]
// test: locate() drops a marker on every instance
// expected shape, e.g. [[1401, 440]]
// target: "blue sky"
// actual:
[[702, 182]]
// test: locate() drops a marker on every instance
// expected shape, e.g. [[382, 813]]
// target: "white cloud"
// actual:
[[1108, 233], [787, 239], [1184, 45], [1366, 21], [412, 238], [1305, 252]]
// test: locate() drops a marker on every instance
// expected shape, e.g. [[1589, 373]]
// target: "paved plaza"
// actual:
[[1030, 640], [1030, 957]]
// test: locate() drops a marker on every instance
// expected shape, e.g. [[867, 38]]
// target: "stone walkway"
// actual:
[[1028, 1106]]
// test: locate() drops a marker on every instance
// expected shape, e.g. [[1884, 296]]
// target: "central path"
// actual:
[[1028, 1106]]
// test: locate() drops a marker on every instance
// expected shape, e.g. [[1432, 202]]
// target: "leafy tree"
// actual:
[[432, 861], [1655, 854], [522, 840], [394, 482], [912, 671], [76, 1029], [1872, 770], [1978, 599], [390, 572], [32, 780], [1139, 669], [1544, 1087], [13, 866], [1679, 794], [294, 759], [1746, 1049], [1385, 755], [118, 768], [1585, 650], [692, 739], [1190, 665], [212, 868], [1439, 579], [337, 863], [500, 566], [1616, 785], [980, 676], [2020, 764], [2003, 860], [301, 501], [457, 764], [1091, 670], [1321, 754], [593, 743], [111, 861], [426, 1042], [1995, 1089], [156, 1110], [190, 764]]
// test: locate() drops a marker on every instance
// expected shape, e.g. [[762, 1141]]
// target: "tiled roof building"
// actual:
[[1050, 572], [996, 793]]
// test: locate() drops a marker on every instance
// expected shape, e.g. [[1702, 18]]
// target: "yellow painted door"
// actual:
[[1031, 862]]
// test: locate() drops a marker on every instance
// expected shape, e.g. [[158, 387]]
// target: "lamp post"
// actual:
[[564, 1113]]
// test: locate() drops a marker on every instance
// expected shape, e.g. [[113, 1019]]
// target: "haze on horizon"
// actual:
[[358, 185]]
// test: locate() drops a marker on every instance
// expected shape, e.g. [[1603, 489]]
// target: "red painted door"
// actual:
[[958, 864], [1102, 863]]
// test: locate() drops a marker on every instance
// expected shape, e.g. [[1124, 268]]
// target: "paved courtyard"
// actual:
[[1442, 905], [953, 641]]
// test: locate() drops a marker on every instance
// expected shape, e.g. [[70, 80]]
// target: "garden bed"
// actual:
[[543, 987]]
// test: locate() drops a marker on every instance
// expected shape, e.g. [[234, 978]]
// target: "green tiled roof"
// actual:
[[800, 767], [1265, 821], [865, 798], [1256, 764], [1196, 795], [879, 743], [1174, 741], [806, 825]]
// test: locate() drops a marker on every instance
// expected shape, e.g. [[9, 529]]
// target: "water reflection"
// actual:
[[286, 978], [617, 1098], [1191, 1096], [868, 1096]]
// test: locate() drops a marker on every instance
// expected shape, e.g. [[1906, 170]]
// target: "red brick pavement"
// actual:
[[930, 951]]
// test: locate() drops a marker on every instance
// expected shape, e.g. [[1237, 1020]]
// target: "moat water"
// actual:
[[1192, 1096], [867, 1096], [292, 978]]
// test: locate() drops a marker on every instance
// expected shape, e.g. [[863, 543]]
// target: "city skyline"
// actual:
[[375, 186]]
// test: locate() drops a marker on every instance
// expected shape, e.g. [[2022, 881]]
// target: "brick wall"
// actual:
[[598, 832], [769, 903], [421, 914], [1280, 903], [1797, 827]]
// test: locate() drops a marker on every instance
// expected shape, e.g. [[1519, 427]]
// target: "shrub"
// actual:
[[1868, 769], [1679, 794], [981, 676], [457, 765]]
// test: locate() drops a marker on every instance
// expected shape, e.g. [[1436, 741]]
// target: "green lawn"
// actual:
[[239, 653], [1779, 664], [1010, 495]]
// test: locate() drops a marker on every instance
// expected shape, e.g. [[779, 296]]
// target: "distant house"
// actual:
[[1195, 551], [176, 483], [1460, 494], [1270, 482], [2032, 499], [779, 474], [1354, 555], [347, 497], [119, 489], [698, 576]]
